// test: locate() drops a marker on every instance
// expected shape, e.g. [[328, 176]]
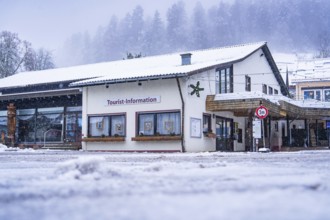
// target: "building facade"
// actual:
[[202, 100], [168, 110]]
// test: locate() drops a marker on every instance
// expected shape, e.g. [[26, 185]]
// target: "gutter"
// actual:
[[182, 115]]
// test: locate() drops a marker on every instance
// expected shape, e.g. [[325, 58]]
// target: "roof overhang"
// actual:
[[49, 93], [126, 80], [246, 107]]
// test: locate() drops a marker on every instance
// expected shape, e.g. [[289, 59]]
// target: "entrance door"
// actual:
[[224, 132]]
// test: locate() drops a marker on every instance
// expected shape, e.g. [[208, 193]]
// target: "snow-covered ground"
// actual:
[[85, 185]]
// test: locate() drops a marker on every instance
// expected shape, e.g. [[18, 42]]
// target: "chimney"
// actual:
[[185, 58]]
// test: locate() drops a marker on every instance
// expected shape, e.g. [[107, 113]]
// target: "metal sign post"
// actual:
[[262, 112], [256, 131]]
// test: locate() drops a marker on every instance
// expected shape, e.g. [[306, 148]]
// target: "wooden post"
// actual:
[[288, 130], [11, 123]]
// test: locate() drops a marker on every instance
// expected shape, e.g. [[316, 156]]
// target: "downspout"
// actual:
[[182, 115]]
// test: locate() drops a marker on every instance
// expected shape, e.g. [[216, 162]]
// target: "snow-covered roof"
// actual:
[[303, 68], [272, 98], [155, 66], [170, 65], [312, 70]]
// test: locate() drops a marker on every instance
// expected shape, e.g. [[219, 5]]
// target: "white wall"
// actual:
[[195, 107], [95, 102], [257, 67]]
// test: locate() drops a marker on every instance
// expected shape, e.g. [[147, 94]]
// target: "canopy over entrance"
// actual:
[[244, 106]]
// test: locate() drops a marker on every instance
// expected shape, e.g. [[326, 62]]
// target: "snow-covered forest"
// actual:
[[288, 26]]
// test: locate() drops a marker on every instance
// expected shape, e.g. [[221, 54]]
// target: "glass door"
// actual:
[[73, 127], [224, 133]]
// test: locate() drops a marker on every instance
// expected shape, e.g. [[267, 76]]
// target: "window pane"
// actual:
[[228, 81], [318, 95], [247, 83], [3, 113], [74, 109], [217, 84], [118, 125], [308, 94], [264, 88], [223, 81], [168, 124], [3, 128], [51, 110], [327, 95], [206, 123], [49, 128], [98, 126], [270, 91], [73, 127], [26, 111], [26, 128], [146, 124]]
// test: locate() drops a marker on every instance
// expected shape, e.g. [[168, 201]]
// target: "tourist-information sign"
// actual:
[[261, 112]]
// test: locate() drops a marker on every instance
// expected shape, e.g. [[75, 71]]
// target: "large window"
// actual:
[[162, 123], [49, 124], [73, 124], [26, 119], [107, 126], [224, 80]]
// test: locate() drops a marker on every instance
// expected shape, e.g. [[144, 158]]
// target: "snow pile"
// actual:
[[3, 147], [80, 168]]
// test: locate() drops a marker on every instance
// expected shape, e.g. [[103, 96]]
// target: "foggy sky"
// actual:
[[47, 23]]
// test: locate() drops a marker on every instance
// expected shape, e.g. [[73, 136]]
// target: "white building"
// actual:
[[159, 103], [195, 101]]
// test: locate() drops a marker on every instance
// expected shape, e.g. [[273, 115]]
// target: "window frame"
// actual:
[[109, 130], [207, 123], [326, 95], [307, 94], [264, 89], [223, 75], [247, 83], [270, 90], [155, 115]]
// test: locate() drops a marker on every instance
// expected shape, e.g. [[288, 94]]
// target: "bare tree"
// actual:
[[38, 60], [12, 53], [324, 45]]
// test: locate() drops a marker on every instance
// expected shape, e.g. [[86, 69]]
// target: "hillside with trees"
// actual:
[[289, 26]]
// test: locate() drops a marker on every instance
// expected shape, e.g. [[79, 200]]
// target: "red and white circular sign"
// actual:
[[261, 112]]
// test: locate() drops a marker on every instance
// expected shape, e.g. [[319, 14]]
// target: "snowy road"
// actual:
[[81, 185]]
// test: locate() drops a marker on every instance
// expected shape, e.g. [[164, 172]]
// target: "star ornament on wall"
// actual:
[[196, 89]]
